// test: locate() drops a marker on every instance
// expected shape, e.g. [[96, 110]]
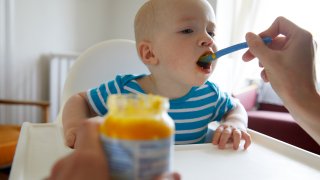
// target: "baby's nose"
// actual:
[[206, 41]]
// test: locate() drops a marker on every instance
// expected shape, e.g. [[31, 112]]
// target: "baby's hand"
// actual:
[[225, 133], [71, 133], [70, 137]]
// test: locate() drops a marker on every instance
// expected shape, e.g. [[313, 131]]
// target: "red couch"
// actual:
[[274, 120]]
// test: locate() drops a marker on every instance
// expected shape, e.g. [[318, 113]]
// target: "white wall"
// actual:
[[35, 28], [122, 17], [40, 27], [2, 45]]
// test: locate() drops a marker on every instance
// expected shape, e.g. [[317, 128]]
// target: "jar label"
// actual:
[[136, 159]]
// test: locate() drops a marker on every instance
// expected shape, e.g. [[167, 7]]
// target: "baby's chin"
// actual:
[[200, 82]]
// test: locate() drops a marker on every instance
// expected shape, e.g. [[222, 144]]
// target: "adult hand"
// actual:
[[289, 65], [88, 160], [289, 61]]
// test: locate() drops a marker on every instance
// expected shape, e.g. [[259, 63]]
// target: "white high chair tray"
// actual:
[[40, 145], [266, 158]]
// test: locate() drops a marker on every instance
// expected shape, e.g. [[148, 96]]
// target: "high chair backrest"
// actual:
[[101, 63]]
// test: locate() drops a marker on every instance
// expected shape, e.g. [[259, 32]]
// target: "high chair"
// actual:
[[101, 63]]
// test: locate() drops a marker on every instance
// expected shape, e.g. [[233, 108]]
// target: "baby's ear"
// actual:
[[146, 53]]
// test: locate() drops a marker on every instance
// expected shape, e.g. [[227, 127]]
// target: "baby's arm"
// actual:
[[75, 111], [233, 128]]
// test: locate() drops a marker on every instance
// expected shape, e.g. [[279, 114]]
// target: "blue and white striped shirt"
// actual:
[[191, 113]]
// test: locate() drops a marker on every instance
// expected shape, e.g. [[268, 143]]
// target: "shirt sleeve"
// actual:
[[98, 96], [98, 99]]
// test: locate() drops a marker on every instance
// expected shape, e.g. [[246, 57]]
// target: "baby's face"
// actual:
[[185, 31]]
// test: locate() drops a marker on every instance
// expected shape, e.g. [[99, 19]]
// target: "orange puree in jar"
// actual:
[[137, 136], [135, 129], [137, 117]]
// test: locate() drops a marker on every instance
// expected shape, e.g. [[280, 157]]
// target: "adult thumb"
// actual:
[[256, 46]]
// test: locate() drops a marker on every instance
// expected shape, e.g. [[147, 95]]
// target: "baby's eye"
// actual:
[[212, 34], [187, 31]]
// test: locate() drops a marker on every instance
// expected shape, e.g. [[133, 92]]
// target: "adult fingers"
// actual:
[[61, 168], [264, 76], [260, 65], [169, 176], [247, 56], [176, 176], [257, 46], [56, 170], [278, 43], [280, 26]]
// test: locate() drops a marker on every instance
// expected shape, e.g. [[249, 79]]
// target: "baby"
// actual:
[[171, 36]]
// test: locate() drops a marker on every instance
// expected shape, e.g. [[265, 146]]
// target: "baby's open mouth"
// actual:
[[204, 64]]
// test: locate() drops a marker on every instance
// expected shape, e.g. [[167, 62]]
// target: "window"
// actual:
[[235, 18]]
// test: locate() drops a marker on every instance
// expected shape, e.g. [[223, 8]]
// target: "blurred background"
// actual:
[[39, 40]]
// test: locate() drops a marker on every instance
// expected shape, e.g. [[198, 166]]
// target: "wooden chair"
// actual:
[[9, 134]]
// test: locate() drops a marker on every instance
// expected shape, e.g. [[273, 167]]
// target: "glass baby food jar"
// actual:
[[138, 136]]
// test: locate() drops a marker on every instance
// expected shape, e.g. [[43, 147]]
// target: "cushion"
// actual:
[[9, 135], [272, 116], [282, 126], [272, 107], [266, 94]]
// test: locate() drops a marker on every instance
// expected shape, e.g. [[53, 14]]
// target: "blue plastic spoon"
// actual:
[[210, 57]]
